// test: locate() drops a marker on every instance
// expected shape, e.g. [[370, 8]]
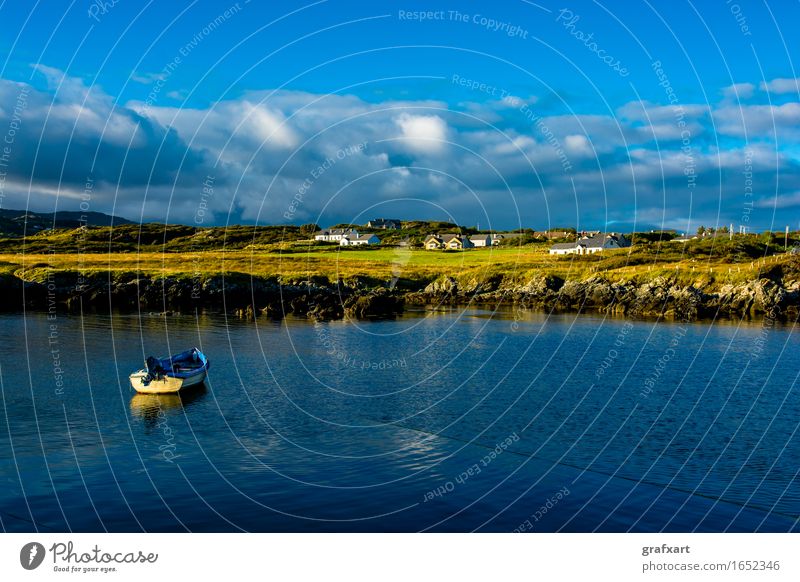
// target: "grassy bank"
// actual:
[[288, 253], [296, 261]]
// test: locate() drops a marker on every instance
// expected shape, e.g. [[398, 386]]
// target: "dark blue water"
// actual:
[[442, 421]]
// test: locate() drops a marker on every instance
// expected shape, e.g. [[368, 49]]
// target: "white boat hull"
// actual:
[[165, 384]]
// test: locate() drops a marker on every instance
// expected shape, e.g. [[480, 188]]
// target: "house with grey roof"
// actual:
[[384, 223], [588, 245], [551, 234], [364, 239], [481, 240]]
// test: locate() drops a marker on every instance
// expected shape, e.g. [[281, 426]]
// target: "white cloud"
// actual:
[[425, 133], [754, 121], [264, 146], [267, 126], [781, 86], [739, 91], [578, 145], [790, 200], [147, 78]]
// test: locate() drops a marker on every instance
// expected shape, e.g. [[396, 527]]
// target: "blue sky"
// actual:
[[508, 114]]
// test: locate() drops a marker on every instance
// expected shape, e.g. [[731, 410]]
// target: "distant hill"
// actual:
[[13, 222]]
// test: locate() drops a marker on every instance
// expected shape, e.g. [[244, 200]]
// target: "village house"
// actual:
[[447, 242], [364, 239], [588, 245], [497, 238], [335, 234], [481, 240], [384, 223], [551, 234], [432, 242]]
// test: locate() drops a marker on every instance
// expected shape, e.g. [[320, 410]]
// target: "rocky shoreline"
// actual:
[[660, 297], [252, 297]]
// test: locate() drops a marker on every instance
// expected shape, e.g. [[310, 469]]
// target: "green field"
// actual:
[[704, 264]]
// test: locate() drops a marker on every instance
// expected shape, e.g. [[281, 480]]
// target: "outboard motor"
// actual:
[[154, 369]]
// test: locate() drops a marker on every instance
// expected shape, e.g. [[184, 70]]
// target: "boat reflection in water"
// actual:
[[151, 407]]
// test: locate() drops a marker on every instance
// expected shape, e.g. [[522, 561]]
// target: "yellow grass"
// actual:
[[519, 263]]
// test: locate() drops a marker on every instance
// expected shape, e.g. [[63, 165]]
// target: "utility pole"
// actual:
[[786, 238], [730, 232]]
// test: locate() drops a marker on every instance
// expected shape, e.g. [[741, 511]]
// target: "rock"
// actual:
[[373, 305], [421, 298], [600, 293], [768, 297], [650, 299], [246, 313], [10, 293], [687, 303], [274, 310], [475, 285], [572, 295], [325, 312], [541, 285], [299, 305], [442, 286]]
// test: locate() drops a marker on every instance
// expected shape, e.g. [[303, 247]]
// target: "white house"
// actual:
[[335, 234], [588, 245], [481, 240], [563, 249], [364, 239]]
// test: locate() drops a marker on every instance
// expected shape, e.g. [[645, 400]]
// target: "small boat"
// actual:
[[171, 374]]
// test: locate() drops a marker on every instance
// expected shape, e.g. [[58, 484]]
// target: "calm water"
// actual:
[[443, 421]]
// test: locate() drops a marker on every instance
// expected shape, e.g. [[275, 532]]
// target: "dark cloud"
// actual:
[[288, 156], [73, 134]]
